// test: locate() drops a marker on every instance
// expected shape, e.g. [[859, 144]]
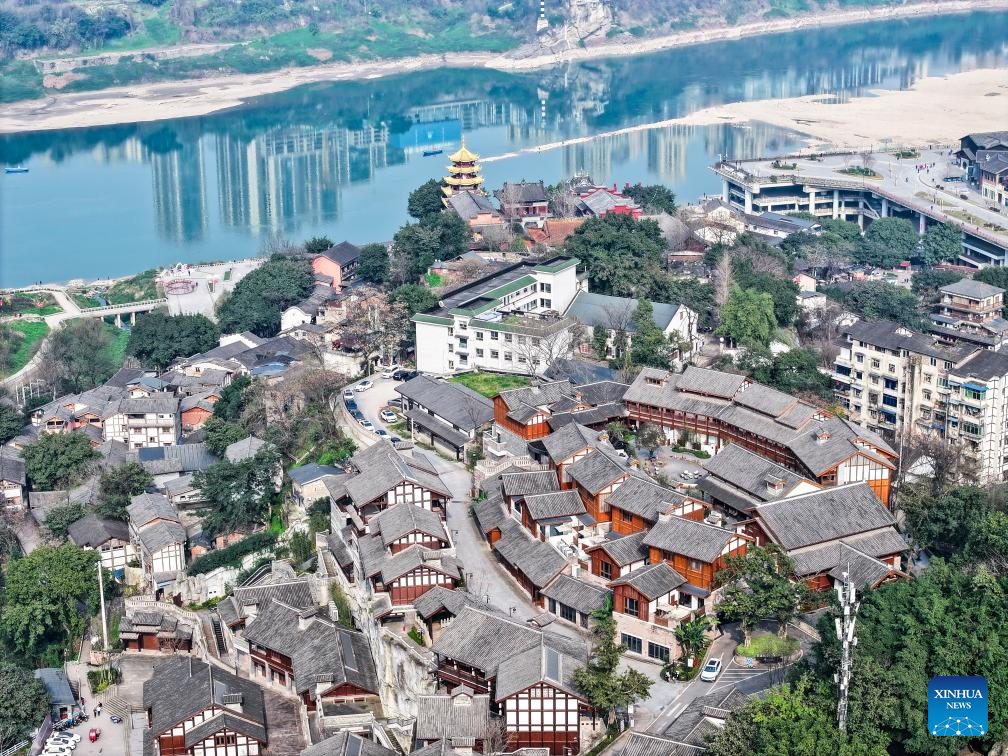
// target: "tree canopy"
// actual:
[[26, 702], [942, 242], [881, 300], [888, 242], [926, 282], [58, 460], [653, 198], [11, 422], [414, 297], [232, 399], [317, 245], [426, 200], [59, 519], [77, 356], [158, 339], [648, 345], [219, 434], [118, 485], [43, 595], [257, 301], [748, 317], [965, 522], [622, 256], [240, 494], [793, 372], [373, 263]]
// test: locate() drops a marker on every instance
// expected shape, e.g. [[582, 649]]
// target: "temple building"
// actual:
[[463, 173]]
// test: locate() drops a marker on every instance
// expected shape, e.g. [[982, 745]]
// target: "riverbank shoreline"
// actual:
[[198, 97]]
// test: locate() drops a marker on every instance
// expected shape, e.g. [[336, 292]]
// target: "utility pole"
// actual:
[[104, 623], [845, 633]]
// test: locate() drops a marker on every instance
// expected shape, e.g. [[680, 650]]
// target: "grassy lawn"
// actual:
[[768, 645], [491, 384], [136, 289], [434, 280], [117, 349], [84, 301], [30, 335], [28, 304]]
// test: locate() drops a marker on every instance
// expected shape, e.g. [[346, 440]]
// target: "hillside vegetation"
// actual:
[[71, 46]]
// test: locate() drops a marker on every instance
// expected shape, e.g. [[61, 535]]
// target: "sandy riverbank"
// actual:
[[936, 110], [179, 99]]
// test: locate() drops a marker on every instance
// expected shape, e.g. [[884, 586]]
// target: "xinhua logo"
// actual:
[[957, 706]]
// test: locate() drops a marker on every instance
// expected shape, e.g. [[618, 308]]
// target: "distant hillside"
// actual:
[[68, 45]]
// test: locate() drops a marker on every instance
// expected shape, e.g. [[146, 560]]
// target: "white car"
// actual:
[[363, 386], [390, 371], [66, 734], [348, 394], [710, 670], [60, 743], [52, 749], [382, 433], [367, 425], [388, 416]]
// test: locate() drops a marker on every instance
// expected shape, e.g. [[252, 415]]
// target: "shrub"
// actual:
[[768, 645], [233, 554], [416, 636]]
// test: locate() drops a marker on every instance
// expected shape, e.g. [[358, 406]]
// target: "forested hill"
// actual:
[[50, 45]]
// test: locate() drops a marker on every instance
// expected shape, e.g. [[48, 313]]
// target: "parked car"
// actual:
[[115, 719], [351, 406], [363, 386], [404, 375], [710, 670], [358, 416], [68, 735], [54, 749], [391, 371], [348, 394], [395, 402], [367, 425], [395, 440], [388, 416], [382, 433], [61, 743]]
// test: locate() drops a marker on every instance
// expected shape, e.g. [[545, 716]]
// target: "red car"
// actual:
[[93, 734]]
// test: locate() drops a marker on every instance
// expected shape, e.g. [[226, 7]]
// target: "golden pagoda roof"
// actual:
[[463, 155], [463, 169], [464, 180]]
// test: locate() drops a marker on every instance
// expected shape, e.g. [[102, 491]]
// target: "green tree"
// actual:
[[961, 522], [926, 282], [220, 434], [373, 265], [786, 720], [748, 317], [698, 296], [414, 297], [692, 637], [302, 547], [58, 460], [241, 494], [454, 234], [622, 256], [598, 680], [941, 242], [117, 487], [11, 422], [416, 248], [232, 399], [782, 289], [758, 585], [881, 300], [793, 372], [77, 357], [26, 703], [257, 300], [158, 339], [43, 595], [650, 437], [653, 198], [317, 245], [994, 276], [59, 519], [600, 341], [425, 201], [888, 242], [648, 344]]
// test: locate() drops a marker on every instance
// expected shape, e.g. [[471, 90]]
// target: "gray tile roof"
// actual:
[[570, 439], [644, 497], [863, 569], [578, 371], [521, 191], [529, 483], [204, 687], [828, 556], [160, 534], [182, 458], [459, 714], [971, 289], [158, 402], [538, 664], [247, 448], [825, 515], [626, 550], [92, 531], [652, 581], [57, 685], [437, 427], [612, 312], [224, 720], [293, 593], [985, 364], [12, 467], [756, 476], [457, 404], [439, 597], [310, 472], [483, 639], [148, 507], [347, 744], [578, 594], [554, 504], [885, 333], [646, 744], [343, 253], [403, 519], [598, 469], [540, 562], [380, 467], [470, 204], [531, 398], [692, 539]]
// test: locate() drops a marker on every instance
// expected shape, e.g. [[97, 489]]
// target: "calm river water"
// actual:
[[340, 159]]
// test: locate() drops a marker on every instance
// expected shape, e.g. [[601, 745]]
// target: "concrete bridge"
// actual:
[[127, 308]]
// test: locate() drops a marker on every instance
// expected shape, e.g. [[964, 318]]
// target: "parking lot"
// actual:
[[373, 400]]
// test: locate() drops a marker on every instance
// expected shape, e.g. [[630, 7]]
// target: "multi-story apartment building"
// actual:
[[510, 321], [891, 379], [969, 313], [145, 421]]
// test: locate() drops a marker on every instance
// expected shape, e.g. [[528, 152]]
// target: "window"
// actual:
[[695, 564], [633, 643], [479, 352], [656, 651], [507, 338], [479, 335], [521, 360], [494, 335], [553, 605], [605, 570], [225, 740], [568, 613], [859, 357], [494, 354], [933, 362], [875, 363], [546, 287], [630, 607], [507, 356]]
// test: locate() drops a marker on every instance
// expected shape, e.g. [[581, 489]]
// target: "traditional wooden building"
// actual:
[[406, 525], [565, 446], [382, 479], [12, 478], [406, 575], [637, 503], [526, 671], [525, 411], [826, 531], [195, 709], [596, 476], [739, 480], [438, 607], [110, 538], [461, 717], [648, 604], [618, 555], [715, 409], [158, 537], [155, 631], [574, 600], [524, 202]]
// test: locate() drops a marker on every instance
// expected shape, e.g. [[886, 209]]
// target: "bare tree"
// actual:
[[496, 739], [563, 201], [536, 354], [721, 278], [941, 463], [867, 160], [469, 270]]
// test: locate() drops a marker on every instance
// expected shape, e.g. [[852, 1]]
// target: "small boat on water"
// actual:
[[15, 169], [429, 153]]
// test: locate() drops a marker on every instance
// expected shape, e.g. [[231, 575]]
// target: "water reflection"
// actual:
[[341, 158]]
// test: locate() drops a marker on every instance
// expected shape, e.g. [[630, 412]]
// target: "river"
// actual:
[[340, 159]]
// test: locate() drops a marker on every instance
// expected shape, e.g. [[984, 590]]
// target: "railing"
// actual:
[[124, 306]]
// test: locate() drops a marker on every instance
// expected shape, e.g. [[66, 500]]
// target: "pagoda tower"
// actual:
[[463, 173]]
